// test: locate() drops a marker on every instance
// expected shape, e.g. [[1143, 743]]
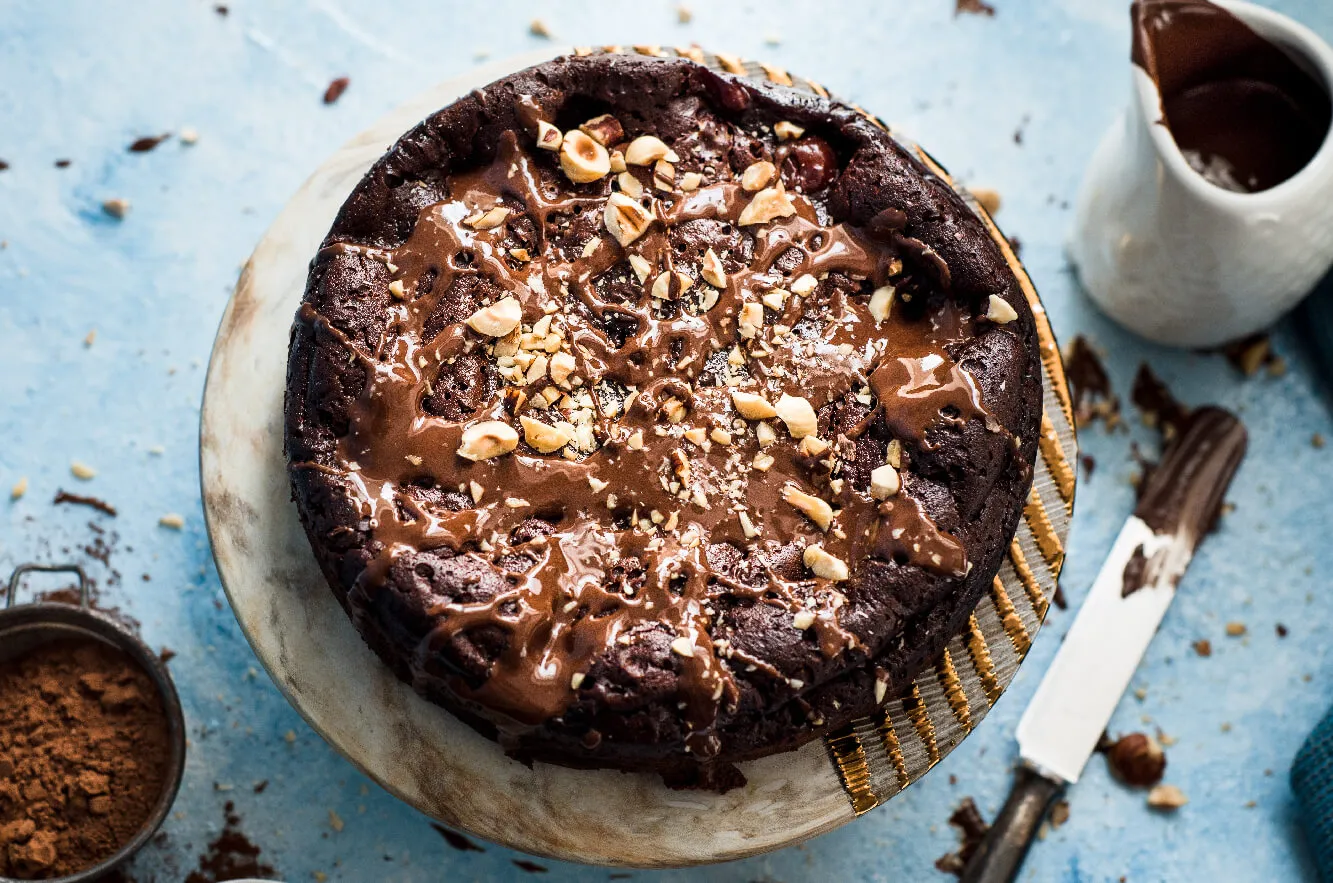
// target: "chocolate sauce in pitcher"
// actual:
[[1245, 115]]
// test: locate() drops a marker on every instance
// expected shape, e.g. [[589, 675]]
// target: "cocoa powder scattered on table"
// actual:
[[84, 754]]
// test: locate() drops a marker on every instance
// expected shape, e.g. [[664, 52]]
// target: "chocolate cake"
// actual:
[[648, 417]]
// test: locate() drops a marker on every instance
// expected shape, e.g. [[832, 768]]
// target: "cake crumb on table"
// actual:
[[335, 89]]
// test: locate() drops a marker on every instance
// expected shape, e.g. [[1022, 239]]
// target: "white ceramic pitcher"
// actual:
[[1182, 261]]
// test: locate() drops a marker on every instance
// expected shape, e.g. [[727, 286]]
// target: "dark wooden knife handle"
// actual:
[[1000, 855]]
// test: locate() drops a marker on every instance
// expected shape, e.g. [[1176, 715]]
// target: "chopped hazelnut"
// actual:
[[999, 311], [812, 507], [752, 406], [894, 454], [989, 198], [721, 436], [664, 176], [596, 484], [583, 159], [747, 526], [711, 270], [648, 149], [544, 437], [487, 220], [630, 185], [813, 446], [822, 564], [803, 619], [617, 162], [487, 439], [396, 289], [683, 646], [804, 284], [548, 136], [767, 205], [787, 131], [477, 491], [674, 410], [798, 414], [82, 471], [605, 130], [765, 433], [635, 441], [758, 175], [562, 366], [751, 320], [763, 462], [576, 680], [639, 264], [881, 303], [497, 319], [1167, 797], [625, 219], [690, 181], [775, 299], [884, 482], [665, 287]]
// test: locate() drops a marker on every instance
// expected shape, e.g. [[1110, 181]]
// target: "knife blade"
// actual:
[[1076, 697]]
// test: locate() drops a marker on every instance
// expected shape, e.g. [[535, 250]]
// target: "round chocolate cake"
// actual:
[[648, 417]]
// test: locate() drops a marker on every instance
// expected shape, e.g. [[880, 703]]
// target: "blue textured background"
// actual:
[[81, 80]]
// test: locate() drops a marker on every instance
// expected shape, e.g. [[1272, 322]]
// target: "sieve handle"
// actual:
[[47, 568]]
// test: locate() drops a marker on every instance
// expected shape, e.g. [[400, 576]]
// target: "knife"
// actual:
[[1069, 712]]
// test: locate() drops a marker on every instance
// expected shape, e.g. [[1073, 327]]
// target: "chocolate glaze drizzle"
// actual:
[[1244, 114], [609, 536], [1182, 495]]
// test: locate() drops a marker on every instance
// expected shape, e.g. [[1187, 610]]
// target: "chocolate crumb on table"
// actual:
[[531, 867], [971, 828], [335, 89], [81, 500], [1090, 385], [147, 143], [231, 855], [973, 7], [458, 841]]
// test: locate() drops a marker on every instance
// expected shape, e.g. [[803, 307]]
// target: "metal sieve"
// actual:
[[26, 626]]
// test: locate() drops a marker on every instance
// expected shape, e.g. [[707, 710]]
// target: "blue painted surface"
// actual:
[[80, 80]]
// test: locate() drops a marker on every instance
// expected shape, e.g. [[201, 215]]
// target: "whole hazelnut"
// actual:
[[1137, 760]]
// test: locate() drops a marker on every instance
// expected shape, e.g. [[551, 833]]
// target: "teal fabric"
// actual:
[[1312, 780]]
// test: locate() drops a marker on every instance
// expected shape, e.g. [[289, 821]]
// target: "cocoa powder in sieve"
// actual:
[[84, 755]]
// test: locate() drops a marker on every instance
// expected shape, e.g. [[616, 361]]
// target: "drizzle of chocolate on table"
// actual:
[[1245, 115], [647, 492], [1182, 494]]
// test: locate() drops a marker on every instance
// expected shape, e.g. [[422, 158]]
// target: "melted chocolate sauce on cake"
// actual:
[[1244, 114], [660, 465]]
